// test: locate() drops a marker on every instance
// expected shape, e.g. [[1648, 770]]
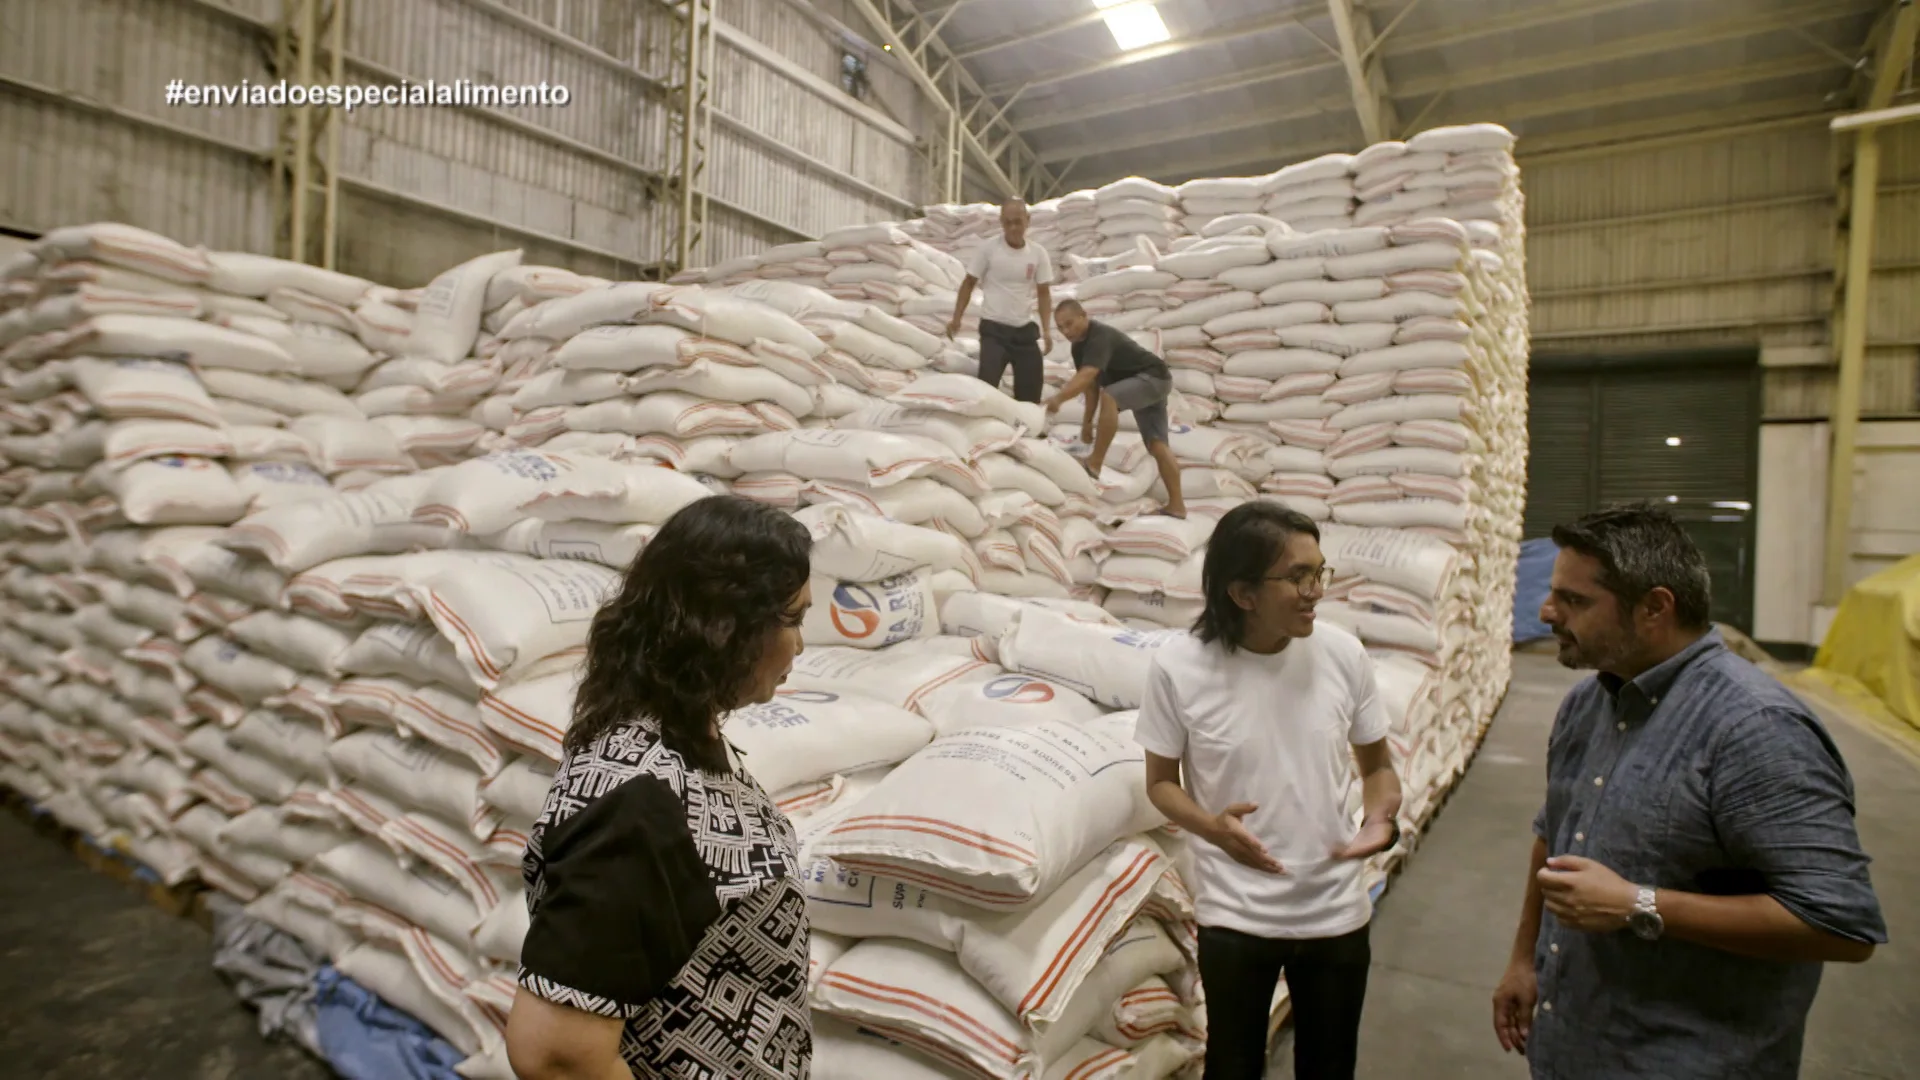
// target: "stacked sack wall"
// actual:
[[299, 570]]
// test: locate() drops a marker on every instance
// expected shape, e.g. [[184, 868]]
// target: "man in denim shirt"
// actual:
[[1696, 859]]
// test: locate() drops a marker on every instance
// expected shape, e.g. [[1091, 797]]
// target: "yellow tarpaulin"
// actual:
[[1874, 643]]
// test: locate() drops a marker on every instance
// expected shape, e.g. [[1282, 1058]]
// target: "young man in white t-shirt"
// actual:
[[1266, 716], [1015, 274]]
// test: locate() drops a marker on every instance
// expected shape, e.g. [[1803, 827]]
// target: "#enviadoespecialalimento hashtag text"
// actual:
[[350, 96]]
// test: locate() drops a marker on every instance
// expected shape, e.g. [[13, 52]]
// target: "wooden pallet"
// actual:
[[186, 900]]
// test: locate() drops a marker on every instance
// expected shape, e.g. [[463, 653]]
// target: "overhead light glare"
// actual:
[[1673, 440], [1136, 26]]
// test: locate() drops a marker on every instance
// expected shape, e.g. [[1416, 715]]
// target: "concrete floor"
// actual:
[[94, 982], [1444, 931]]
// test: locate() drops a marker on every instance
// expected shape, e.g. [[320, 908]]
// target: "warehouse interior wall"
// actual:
[[1793, 490], [793, 155], [1726, 239]]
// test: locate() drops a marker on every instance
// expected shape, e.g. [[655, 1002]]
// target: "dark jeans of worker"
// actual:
[[1020, 345], [1326, 984]]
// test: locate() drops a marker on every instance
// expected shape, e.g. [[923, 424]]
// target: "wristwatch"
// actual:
[[1393, 838], [1645, 921]]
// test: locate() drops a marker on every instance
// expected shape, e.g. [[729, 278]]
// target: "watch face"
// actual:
[[1646, 924]]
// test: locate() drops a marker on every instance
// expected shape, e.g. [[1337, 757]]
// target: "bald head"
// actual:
[[1013, 222]]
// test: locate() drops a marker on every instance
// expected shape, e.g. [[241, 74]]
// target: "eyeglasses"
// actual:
[[1306, 578]]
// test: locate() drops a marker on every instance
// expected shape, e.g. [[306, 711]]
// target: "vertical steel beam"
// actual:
[[1893, 55]]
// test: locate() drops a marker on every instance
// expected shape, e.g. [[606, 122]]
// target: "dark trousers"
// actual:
[[1326, 983], [1020, 345]]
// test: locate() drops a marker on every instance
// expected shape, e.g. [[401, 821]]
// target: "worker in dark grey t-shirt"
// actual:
[[1115, 372]]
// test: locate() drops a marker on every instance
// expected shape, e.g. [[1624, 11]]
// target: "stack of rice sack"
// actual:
[[984, 845], [121, 465], [1134, 211]]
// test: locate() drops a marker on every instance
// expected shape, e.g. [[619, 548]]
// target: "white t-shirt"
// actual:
[[1275, 731], [1008, 277]]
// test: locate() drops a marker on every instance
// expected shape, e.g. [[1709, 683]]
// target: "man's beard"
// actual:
[[1601, 656]]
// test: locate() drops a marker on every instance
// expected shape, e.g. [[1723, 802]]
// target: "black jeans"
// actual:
[[1000, 343], [1327, 985]]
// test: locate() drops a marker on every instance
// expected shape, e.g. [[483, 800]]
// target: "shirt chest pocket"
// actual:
[[1636, 816]]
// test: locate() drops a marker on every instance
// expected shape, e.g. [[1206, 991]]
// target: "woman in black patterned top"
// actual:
[[669, 931]]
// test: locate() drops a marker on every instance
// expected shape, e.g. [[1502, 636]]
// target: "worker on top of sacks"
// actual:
[[1696, 860], [1016, 273], [668, 931], [1116, 372], [1252, 726]]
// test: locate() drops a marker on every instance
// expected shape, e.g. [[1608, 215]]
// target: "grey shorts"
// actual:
[[1145, 396]]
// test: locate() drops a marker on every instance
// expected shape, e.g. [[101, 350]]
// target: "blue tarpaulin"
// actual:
[[364, 1038], [1530, 591]]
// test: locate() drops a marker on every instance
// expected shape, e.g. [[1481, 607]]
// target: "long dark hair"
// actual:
[[680, 641], [1243, 548]]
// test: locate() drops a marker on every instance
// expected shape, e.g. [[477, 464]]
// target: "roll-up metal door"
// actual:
[[1678, 429]]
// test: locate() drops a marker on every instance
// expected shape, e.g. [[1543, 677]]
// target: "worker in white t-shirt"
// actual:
[[1265, 716], [1015, 274]]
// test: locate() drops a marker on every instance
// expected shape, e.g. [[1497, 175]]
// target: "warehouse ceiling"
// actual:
[[1243, 86]]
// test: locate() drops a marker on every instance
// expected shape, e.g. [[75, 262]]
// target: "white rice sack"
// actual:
[[1032, 961], [1106, 664], [1462, 139], [1200, 312], [900, 677], [872, 615], [125, 246], [177, 491], [504, 613], [1011, 812], [871, 458], [245, 274], [627, 349], [807, 735], [1405, 514], [852, 546], [845, 1051], [1203, 263], [729, 318], [591, 541], [614, 493], [1398, 459], [1420, 564], [128, 441], [993, 698], [132, 388], [447, 317], [559, 320], [418, 773], [723, 382], [1399, 408], [201, 344], [802, 302], [1268, 318], [968, 396], [915, 502], [968, 436], [1121, 282], [677, 415], [319, 351], [345, 444], [881, 983], [1329, 244], [269, 484]]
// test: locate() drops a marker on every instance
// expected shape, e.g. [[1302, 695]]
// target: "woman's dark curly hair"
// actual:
[[680, 641]]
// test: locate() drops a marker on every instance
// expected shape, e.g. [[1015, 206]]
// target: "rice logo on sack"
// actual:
[[855, 612], [1018, 690], [810, 697]]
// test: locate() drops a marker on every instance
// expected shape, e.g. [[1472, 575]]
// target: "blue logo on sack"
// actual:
[[1018, 690]]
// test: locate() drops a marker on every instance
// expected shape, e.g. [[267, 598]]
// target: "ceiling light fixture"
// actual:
[[1134, 25]]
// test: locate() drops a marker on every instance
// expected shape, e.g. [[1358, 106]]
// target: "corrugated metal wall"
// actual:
[[1723, 240], [792, 154]]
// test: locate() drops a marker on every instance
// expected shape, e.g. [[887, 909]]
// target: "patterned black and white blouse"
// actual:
[[668, 897]]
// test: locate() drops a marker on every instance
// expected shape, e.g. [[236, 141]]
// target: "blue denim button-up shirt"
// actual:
[[1702, 775]]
